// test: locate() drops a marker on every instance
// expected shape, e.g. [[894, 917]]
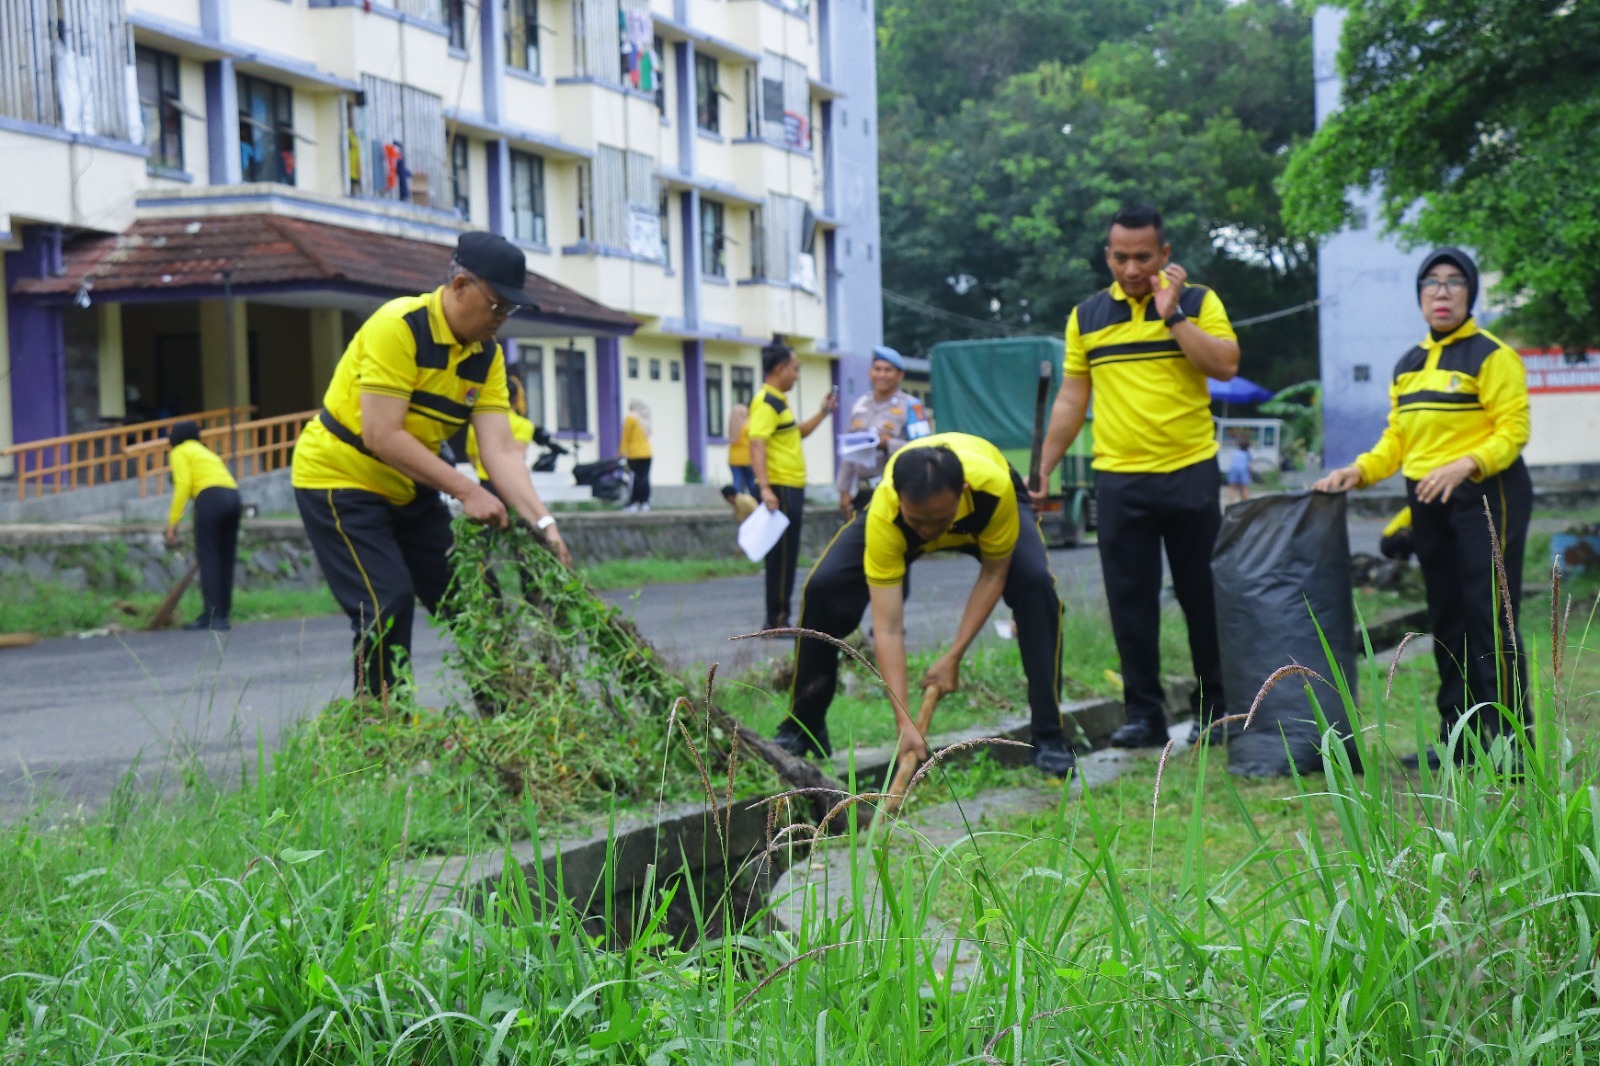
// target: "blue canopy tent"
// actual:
[[1239, 390]]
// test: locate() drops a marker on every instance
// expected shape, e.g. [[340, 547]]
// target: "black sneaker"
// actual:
[[1141, 733], [792, 738], [1053, 756], [1413, 761]]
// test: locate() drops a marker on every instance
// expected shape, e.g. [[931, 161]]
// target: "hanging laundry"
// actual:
[[393, 157]]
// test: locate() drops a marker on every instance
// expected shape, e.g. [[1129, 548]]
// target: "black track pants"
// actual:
[[784, 555], [1480, 659], [216, 535], [1139, 515], [379, 559]]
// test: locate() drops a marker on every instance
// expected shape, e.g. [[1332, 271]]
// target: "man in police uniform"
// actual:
[[1145, 347], [947, 492], [780, 468], [885, 411], [367, 472]]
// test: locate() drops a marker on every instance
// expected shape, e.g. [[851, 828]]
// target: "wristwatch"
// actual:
[[545, 523], [1174, 318]]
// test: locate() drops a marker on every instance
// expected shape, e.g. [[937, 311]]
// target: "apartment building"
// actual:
[[204, 198]]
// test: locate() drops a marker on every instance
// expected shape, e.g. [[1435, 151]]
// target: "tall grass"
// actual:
[[1449, 920]]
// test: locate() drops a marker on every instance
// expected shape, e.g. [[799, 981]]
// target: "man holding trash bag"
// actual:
[[1145, 347], [947, 492]]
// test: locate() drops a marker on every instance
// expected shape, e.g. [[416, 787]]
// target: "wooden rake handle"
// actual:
[[908, 766]]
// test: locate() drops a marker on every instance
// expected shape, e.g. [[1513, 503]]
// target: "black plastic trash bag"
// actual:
[[1280, 560]]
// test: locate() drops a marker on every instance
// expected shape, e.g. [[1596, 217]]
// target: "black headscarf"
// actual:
[[1456, 258], [183, 432]]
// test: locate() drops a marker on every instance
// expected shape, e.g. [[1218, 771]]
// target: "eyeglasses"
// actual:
[[1433, 285], [497, 307]]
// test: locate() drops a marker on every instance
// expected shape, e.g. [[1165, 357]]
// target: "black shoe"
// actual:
[[1141, 733], [197, 624], [1054, 757], [1414, 760], [216, 625], [792, 738]]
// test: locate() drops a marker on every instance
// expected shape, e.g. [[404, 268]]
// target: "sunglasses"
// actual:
[[497, 307]]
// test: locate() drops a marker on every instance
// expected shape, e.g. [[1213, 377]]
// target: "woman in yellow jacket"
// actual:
[[199, 475], [1458, 420], [636, 449], [744, 475]]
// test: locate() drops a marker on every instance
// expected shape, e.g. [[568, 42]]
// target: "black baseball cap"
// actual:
[[497, 261]]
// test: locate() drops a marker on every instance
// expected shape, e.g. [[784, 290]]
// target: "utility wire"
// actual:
[[1003, 330], [1285, 313]]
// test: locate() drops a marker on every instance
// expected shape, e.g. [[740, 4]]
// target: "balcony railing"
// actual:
[[249, 448], [98, 457]]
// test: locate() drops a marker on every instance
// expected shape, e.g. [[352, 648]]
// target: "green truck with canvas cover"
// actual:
[[988, 388]]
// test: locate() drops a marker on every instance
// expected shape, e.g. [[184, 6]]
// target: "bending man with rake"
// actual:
[[947, 492]]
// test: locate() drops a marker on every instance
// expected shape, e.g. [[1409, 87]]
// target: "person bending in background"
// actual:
[[1239, 473], [636, 449], [1458, 420], [744, 477], [199, 475]]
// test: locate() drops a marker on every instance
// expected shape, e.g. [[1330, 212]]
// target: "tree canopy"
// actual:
[[1011, 132], [1478, 124]]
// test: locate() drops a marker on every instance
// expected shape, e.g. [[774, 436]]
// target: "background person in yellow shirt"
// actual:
[[744, 477], [780, 468], [636, 449], [947, 492], [199, 475], [367, 472], [1458, 420], [1145, 347]]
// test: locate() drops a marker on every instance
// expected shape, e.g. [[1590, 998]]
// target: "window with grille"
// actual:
[[572, 391], [532, 363], [713, 241], [527, 198], [778, 105], [455, 17], [713, 399], [625, 206], [460, 177], [743, 380], [160, 108], [266, 131], [522, 35], [397, 149], [707, 103], [787, 232]]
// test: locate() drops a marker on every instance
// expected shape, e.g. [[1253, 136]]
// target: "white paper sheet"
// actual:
[[759, 532], [858, 446]]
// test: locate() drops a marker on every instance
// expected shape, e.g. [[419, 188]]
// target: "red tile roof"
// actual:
[[265, 250]]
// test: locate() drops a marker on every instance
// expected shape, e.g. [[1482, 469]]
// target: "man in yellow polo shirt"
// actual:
[[947, 492], [780, 468], [1144, 348], [367, 472]]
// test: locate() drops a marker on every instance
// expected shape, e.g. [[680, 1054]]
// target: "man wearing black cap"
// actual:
[[1458, 420], [367, 472]]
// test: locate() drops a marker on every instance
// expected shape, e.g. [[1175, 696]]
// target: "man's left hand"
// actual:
[[553, 541], [172, 536], [946, 673], [1438, 484], [1168, 287], [830, 402]]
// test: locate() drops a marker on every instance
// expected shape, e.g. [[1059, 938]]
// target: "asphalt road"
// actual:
[[77, 714]]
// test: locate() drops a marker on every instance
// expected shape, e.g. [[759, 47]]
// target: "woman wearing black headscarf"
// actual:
[[1458, 420], [198, 474]]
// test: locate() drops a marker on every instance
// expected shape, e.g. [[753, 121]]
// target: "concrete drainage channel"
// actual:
[[605, 869]]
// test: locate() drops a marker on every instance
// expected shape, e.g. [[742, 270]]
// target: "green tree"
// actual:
[[1478, 123], [996, 210]]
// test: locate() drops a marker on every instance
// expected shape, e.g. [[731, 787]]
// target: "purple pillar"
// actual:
[[836, 376], [37, 339], [694, 401], [608, 393], [497, 172]]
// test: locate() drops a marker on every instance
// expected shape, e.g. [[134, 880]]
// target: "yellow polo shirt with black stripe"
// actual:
[[1152, 413], [772, 420], [1464, 395], [195, 468], [986, 519], [404, 350]]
